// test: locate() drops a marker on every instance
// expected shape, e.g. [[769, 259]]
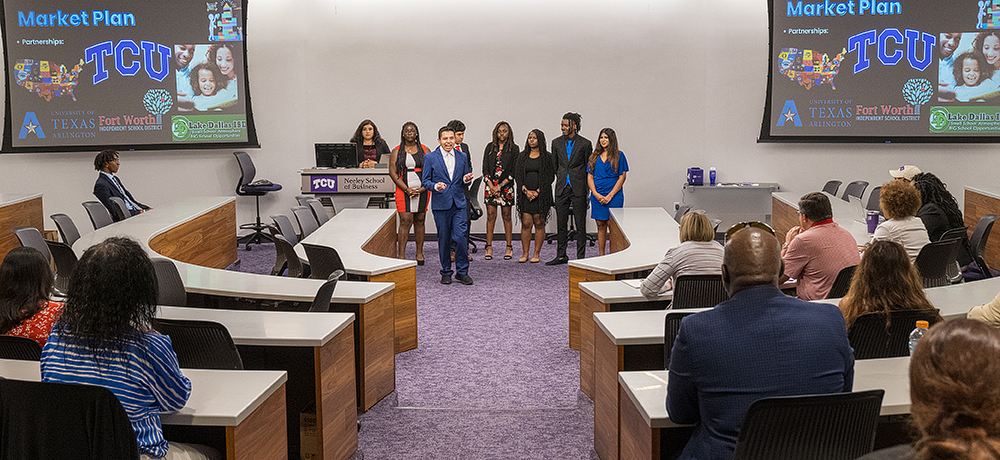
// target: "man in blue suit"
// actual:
[[447, 175], [758, 344], [108, 185]]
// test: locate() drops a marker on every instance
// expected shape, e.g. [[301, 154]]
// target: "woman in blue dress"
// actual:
[[606, 175]]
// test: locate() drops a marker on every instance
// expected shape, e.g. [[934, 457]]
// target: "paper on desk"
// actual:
[[633, 283]]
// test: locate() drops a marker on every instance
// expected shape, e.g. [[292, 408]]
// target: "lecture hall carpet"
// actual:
[[493, 376]]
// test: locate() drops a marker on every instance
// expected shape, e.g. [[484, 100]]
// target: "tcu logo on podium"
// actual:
[[323, 184]]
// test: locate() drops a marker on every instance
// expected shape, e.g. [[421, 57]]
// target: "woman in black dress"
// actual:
[[534, 175], [498, 177]]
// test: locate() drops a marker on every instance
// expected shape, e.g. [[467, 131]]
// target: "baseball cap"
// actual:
[[906, 172]]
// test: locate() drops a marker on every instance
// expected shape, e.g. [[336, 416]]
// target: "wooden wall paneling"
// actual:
[[405, 294], [336, 410], [978, 205], [256, 438], [638, 440], [378, 376], [577, 276], [608, 361], [588, 306], [783, 218], [26, 213], [208, 240]]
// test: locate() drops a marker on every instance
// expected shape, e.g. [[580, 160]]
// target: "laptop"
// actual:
[[858, 211]]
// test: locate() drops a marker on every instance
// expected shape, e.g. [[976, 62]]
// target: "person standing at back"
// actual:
[[446, 173], [570, 154]]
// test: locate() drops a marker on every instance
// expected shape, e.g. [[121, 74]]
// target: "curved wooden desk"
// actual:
[[785, 208], [18, 210]]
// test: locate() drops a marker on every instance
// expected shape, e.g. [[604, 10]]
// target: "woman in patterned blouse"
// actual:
[[25, 284]]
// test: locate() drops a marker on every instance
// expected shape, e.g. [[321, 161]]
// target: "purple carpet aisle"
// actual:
[[493, 376]]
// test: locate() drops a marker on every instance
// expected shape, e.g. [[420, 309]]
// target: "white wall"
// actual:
[[681, 81]]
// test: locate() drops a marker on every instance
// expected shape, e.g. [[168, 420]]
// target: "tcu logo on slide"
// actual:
[[324, 184]]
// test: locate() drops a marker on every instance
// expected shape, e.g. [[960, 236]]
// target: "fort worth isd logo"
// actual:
[[789, 114]]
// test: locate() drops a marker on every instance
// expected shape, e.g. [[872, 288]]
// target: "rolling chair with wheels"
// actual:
[[842, 283], [248, 187], [873, 198], [323, 261], [169, 283], [474, 211], [978, 243], [66, 228], [99, 215], [30, 237], [322, 301], [855, 189], [200, 344], [870, 338], [698, 291], [307, 221], [65, 260], [119, 211], [934, 260]]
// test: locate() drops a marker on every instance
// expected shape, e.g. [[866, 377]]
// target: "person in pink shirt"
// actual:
[[817, 249]]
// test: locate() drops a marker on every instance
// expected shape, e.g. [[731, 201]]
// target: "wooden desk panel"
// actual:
[[383, 243], [208, 240], [256, 438], [617, 241], [588, 305], [609, 359], [336, 396], [638, 440], [378, 376], [405, 306], [27, 213], [978, 205], [577, 276], [783, 218]]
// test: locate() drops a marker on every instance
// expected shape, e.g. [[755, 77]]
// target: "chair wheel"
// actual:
[[248, 247]]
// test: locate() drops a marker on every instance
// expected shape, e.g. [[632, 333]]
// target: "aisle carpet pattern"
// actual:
[[492, 377]]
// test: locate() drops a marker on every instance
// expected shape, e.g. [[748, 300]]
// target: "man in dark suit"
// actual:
[[447, 175], [570, 153], [461, 146], [758, 344], [108, 185]]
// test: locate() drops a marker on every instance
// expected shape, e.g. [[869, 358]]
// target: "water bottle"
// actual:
[[917, 333], [711, 175]]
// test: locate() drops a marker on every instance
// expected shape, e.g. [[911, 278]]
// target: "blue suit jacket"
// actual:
[[435, 171], [104, 189], [758, 344]]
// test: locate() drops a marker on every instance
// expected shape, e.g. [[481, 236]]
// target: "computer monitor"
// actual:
[[342, 155]]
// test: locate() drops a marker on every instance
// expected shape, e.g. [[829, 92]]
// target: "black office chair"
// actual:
[[20, 348], [99, 215], [855, 189], [871, 339], [978, 244], [249, 187], [322, 301], [119, 211], [66, 228], [60, 420], [842, 283], [935, 259], [832, 186], [964, 252], [65, 260], [286, 258], [307, 222], [474, 211], [318, 212], [839, 426], [873, 197], [168, 280], [323, 261], [681, 210], [697, 291], [671, 326], [200, 344]]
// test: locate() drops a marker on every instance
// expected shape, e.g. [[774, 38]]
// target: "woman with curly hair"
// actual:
[[371, 146], [498, 177], [955, 399], [885, 281], [105, 338], [939, 209], [900, 202], [25, 284], [534, 174]]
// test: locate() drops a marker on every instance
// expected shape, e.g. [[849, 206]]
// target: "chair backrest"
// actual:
[[306, 219], [66, 228], [247, 171], [21, 348], [697, 291], [168, 280], [288, 258], [119, 210], [318, 212], [474, 210], [32, 238], [200, 344], [977, 242], [832, 186], [671, 326], [681, 210], [322, 301], [871, 339], [873, 198], [855, 189], [99, 215], [842, 283], [286, 228], [964, 252], [323, 261], [303, 200], [61, 420], [65, 260], [833, 426], [934, 259]]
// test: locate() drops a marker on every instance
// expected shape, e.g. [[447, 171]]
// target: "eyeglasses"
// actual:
[[740, 226]]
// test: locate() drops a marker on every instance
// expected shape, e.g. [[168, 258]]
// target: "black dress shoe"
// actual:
[[558, 261], [445, 279], [464, 279]]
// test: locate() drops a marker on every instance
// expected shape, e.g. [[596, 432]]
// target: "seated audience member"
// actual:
[[758, 344], [939, 210], [955, 397], [25, 284], [371, 147], [817, 249], [105, 338], [900, 202], [904, 173], [108, 184], [698, 254], [885, 281], [988, 313]]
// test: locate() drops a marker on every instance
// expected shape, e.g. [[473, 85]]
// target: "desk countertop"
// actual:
[[618, 291], [269, 328], [218, 398], [649, 231], [348, 232], [643, 327], [7, 199], [955, 300]]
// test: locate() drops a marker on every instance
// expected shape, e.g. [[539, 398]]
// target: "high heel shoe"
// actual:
[[420, 262], [509, 253]]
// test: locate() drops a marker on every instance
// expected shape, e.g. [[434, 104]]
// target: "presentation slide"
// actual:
[[877, 71], [84, 75]]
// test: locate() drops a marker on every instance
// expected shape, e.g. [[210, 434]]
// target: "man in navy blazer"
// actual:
[[447, 175], [758, 344], [570, 156], [108, 185]]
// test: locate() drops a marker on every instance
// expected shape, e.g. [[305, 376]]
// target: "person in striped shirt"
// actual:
[[105, 338], [698, 254]]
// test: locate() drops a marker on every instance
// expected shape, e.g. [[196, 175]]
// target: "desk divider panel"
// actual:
[[378, 377], [638, 440], [256, 438], [588, 306], [608, 361], [337, 413], [208, 240], [384, 242], [577, 276], [616, 239], [783, 218], [978, 205], [26, 213]]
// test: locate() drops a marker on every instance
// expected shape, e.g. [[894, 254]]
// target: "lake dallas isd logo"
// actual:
[[938, 119], [789, 114], [180, 128], [31, 125]]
